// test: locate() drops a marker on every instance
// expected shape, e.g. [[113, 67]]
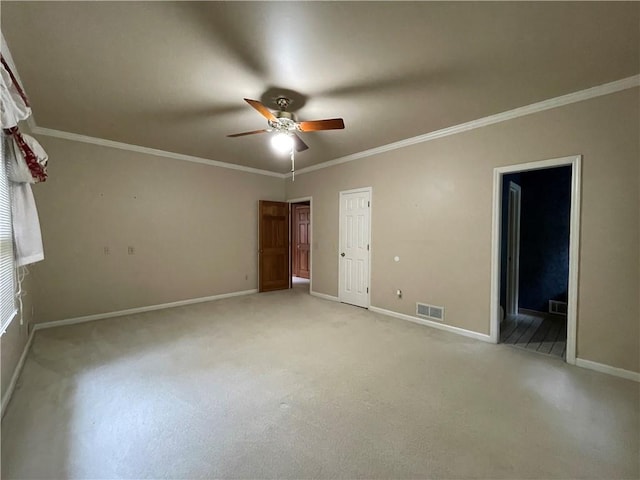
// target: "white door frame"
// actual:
[[298, 200], [513, 249], [574, 244], [346, 192]]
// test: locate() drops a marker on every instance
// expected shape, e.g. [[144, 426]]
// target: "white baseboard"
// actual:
[[602, 368], [429, 323], [131, 311], [534, 313], [324, 296], [16, 374]]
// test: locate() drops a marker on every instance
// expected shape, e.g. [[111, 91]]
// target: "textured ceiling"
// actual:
[[172, 75]]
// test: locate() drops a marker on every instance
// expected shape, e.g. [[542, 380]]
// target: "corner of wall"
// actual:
[[15, 344]]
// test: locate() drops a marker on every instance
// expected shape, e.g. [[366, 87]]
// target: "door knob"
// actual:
[[342, 254]]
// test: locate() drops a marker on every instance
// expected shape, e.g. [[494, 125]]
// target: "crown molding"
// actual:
[[31, 123], [49, 132], [600, 90], [589, 93]]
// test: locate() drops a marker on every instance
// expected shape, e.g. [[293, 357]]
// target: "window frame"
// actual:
[[8, 277]]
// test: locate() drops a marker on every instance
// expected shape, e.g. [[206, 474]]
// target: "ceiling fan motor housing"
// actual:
[[286, 121]]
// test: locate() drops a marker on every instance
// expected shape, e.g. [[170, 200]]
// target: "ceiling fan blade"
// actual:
[[264, 111], [314, 125], [300, 145], [247, 133]]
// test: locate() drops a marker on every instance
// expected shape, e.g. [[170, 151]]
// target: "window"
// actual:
[[7, 272]]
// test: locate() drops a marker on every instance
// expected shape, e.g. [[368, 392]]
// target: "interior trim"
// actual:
[[6, 398], [131, 311], [298, 200], [608, 369], [324, 296], [437, 325], [574, 162], [49, 132], [600, 90], [341, 290]]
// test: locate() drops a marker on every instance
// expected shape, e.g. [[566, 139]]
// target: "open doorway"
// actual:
[[300, 244], [535, 250], [535, 259]]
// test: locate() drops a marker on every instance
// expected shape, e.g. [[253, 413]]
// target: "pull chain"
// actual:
[[293, 166]]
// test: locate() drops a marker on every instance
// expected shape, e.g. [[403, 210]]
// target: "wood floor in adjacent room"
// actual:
[[539, 333], [285, 385]]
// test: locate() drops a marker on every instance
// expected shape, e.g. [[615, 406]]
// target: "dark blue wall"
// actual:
[[544, 236]]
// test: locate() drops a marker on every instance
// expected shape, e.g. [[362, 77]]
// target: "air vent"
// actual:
[[557, 308], [430, 311]]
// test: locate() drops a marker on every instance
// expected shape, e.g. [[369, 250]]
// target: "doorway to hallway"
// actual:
[[300, 244], [536, 207], [535, 256]]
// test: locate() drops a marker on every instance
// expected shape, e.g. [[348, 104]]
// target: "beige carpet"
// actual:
[[284, 385]]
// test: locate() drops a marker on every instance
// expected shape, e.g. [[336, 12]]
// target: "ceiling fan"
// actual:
[[286, 125]]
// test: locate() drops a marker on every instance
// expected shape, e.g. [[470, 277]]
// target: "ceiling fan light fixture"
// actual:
[[285, 125], [282, 142]]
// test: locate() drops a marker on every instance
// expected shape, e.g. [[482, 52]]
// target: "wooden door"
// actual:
[[301, 224], [273, 241], [355, 217]]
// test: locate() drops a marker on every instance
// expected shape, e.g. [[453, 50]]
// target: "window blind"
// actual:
[[7, 271]]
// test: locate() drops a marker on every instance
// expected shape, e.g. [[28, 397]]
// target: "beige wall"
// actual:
[[432, 205], [13, 341], [193, 228]]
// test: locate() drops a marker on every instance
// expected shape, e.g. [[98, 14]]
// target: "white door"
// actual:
[[513, 249], [355, 220]]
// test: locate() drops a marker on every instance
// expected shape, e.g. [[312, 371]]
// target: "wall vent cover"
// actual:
[[431, 312], [558, 308]]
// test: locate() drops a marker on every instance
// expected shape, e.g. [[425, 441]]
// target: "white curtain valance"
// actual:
[[26, 225], [26, 163], [14, 105]]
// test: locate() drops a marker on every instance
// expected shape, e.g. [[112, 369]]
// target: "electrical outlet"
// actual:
[[131, 251], [107, 251]]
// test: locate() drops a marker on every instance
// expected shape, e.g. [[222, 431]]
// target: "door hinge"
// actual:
[[367, 247], [367, 289], [368, 203]]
